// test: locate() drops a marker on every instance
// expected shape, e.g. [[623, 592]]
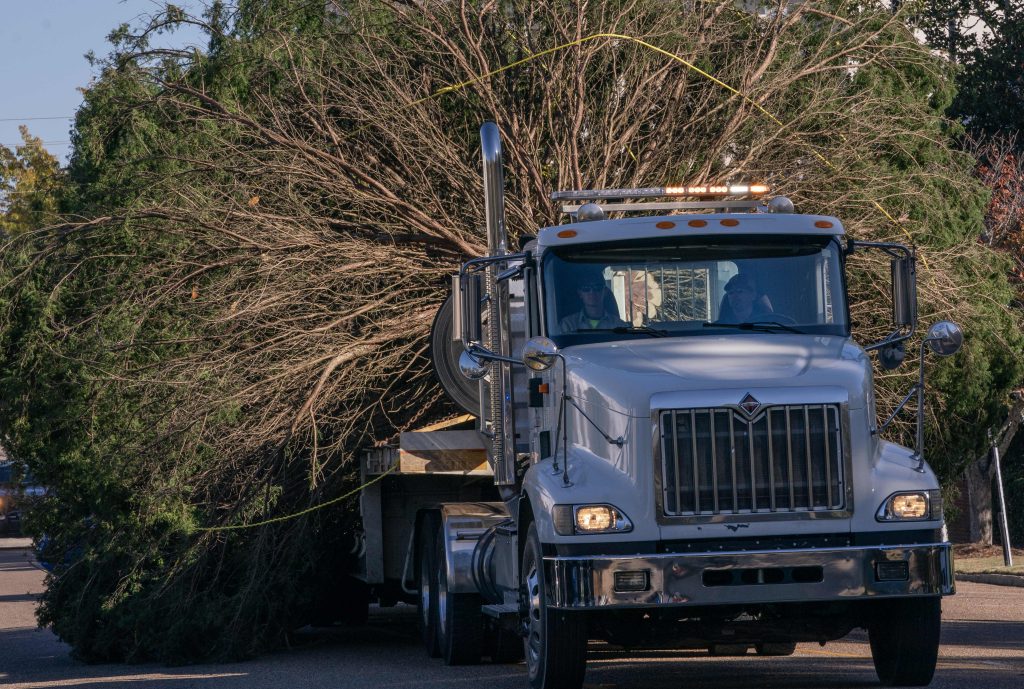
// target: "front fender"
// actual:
[[894, 469], [592, 480]]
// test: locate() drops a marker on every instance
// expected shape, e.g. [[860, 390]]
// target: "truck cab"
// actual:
[[681, 443]]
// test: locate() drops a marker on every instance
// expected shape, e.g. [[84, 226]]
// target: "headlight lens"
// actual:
[[911, 506], [595, 518], [589, 519]]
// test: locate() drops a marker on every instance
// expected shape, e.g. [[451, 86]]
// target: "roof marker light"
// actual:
[[656, 192]]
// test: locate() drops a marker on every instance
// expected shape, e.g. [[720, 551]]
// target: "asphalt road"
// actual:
[[983, 648]]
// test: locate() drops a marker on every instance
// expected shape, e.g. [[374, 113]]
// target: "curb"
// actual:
[[15, 543], [996, 579]]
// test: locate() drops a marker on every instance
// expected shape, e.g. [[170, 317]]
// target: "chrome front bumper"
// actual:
[[751, 577]]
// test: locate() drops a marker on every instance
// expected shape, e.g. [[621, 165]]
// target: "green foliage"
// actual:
[[269, 225]]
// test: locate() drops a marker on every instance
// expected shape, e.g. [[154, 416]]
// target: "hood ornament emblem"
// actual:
[[749, 405]]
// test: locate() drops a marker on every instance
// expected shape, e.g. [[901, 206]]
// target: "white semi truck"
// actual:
[[676, 445]]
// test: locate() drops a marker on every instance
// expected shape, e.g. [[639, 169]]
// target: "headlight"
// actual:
[[915, 505], [588, 519]]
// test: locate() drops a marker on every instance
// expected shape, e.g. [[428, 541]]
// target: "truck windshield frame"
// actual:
[[686, 286]]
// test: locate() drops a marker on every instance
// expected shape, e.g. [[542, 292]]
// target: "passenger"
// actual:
[[644, 297], [594, 297], [742, 303]]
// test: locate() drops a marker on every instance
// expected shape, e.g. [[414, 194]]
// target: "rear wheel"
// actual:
[[556, 640], [426, 604], [460, 628], [904, 637]]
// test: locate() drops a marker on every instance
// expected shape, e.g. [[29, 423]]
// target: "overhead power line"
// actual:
[[45, 143], [30, 119]]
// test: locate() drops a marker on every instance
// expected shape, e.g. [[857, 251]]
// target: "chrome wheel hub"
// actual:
[[534, 622]]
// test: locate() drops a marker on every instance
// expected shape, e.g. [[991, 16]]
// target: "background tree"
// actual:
[[986, 41], [986, 38], [30, 180], [271, 225]]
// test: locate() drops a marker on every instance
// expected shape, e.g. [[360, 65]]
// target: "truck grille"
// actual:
[[785, 459]]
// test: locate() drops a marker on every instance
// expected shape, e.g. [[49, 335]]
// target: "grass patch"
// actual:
[[989, 564]]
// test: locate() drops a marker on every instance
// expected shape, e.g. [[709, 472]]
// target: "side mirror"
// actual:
[[472, 367], [466, 321], [892, 356], [945, 338], [539, 354], [904, 291]]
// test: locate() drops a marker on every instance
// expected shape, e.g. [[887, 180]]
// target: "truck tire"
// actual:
[[460, 629], [426, 603], [904, 638], [504, 646], [556, 640]]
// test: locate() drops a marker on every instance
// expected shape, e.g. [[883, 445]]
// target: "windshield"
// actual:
[[694, 286]]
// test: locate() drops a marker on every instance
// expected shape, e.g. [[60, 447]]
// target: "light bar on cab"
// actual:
[[661, 192]]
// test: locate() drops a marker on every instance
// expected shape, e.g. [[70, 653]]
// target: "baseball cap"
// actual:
[[740, 281]]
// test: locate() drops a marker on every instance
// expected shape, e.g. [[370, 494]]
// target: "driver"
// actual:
[[594, 313], [741, 301]]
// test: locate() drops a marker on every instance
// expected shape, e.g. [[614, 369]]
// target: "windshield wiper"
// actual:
[[631, 330], [758, 326]]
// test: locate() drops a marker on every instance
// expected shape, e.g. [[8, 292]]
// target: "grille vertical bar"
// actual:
[[793, 451], [696, 461]]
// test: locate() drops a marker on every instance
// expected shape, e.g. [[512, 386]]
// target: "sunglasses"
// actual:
[[590, 288]]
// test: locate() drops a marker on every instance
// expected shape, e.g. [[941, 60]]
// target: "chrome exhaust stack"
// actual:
[[495, 397], [494, 189]]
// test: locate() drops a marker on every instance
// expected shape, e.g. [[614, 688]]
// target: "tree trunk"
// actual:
[[979, 496], [981, 471]]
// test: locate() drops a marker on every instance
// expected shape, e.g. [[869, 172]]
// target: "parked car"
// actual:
[[17, 488]]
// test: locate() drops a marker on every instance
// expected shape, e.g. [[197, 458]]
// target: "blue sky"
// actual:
[[42, 63]]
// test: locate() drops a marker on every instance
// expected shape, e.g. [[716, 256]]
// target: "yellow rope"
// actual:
[[286, 517]]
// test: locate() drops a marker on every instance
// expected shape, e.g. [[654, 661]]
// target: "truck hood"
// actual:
[[632, 376]]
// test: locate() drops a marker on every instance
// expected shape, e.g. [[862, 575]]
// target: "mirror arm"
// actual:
[[919, 449], [478, 350], [897, 410], [620, 441], [893, 338], [475, 264], [920, 404], [893, 249]]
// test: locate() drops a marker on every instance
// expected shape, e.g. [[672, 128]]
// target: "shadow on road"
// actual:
[[386, 654]]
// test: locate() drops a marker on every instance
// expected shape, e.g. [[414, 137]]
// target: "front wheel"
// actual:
[[904, 637], [556, 640]]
